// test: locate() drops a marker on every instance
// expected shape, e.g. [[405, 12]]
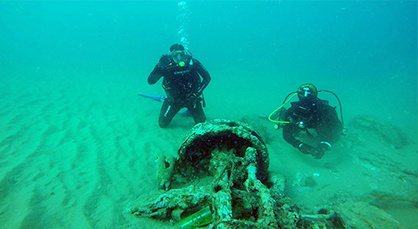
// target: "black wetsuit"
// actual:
[[315, 114], [183, 86]]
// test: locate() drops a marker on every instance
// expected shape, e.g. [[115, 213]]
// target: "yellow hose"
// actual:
[[276, 121]]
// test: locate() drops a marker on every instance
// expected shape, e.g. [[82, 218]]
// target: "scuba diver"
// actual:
[[182, 83], [309, 113]]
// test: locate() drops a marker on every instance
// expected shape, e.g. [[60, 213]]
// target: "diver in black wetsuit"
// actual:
[[182, 84], [310, 112]]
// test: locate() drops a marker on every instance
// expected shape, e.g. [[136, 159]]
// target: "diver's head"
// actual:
[[307, 91], [176, 47], [180, 56]]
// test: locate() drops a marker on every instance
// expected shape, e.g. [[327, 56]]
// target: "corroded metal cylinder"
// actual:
[[220, 135]]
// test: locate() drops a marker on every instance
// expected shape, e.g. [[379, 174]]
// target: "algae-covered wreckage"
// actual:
[[220, 179]]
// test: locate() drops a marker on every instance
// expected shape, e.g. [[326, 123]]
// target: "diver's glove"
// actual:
[[306, 148], [193, 95], [318, 153], [324, 146], [200, 90], [165, 65], [320, 150], [197, 93]]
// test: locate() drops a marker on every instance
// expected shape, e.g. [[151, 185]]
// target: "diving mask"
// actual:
[[180, 57], [307, 91]]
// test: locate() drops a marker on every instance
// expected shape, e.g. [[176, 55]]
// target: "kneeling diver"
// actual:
[[310, 112]]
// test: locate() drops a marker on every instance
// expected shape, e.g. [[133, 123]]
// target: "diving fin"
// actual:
[[158, 98]]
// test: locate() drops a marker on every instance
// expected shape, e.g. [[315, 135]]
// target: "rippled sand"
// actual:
[[78, 154], [74, 154]]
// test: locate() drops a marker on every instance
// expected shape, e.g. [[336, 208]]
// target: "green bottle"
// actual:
[[201, 218]]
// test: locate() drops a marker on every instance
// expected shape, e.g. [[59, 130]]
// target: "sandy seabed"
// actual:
[[80, 154]]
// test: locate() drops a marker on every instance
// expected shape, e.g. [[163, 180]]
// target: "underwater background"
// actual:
[[78, 145]]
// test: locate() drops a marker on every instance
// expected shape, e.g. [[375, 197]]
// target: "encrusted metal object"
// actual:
[[222, 166]]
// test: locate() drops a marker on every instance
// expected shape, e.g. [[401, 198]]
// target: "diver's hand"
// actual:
[[320, 150], [199, 90], [318, 154], [324, 146], [193, 95], [306, 148], [165, 65], [196, 94]]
